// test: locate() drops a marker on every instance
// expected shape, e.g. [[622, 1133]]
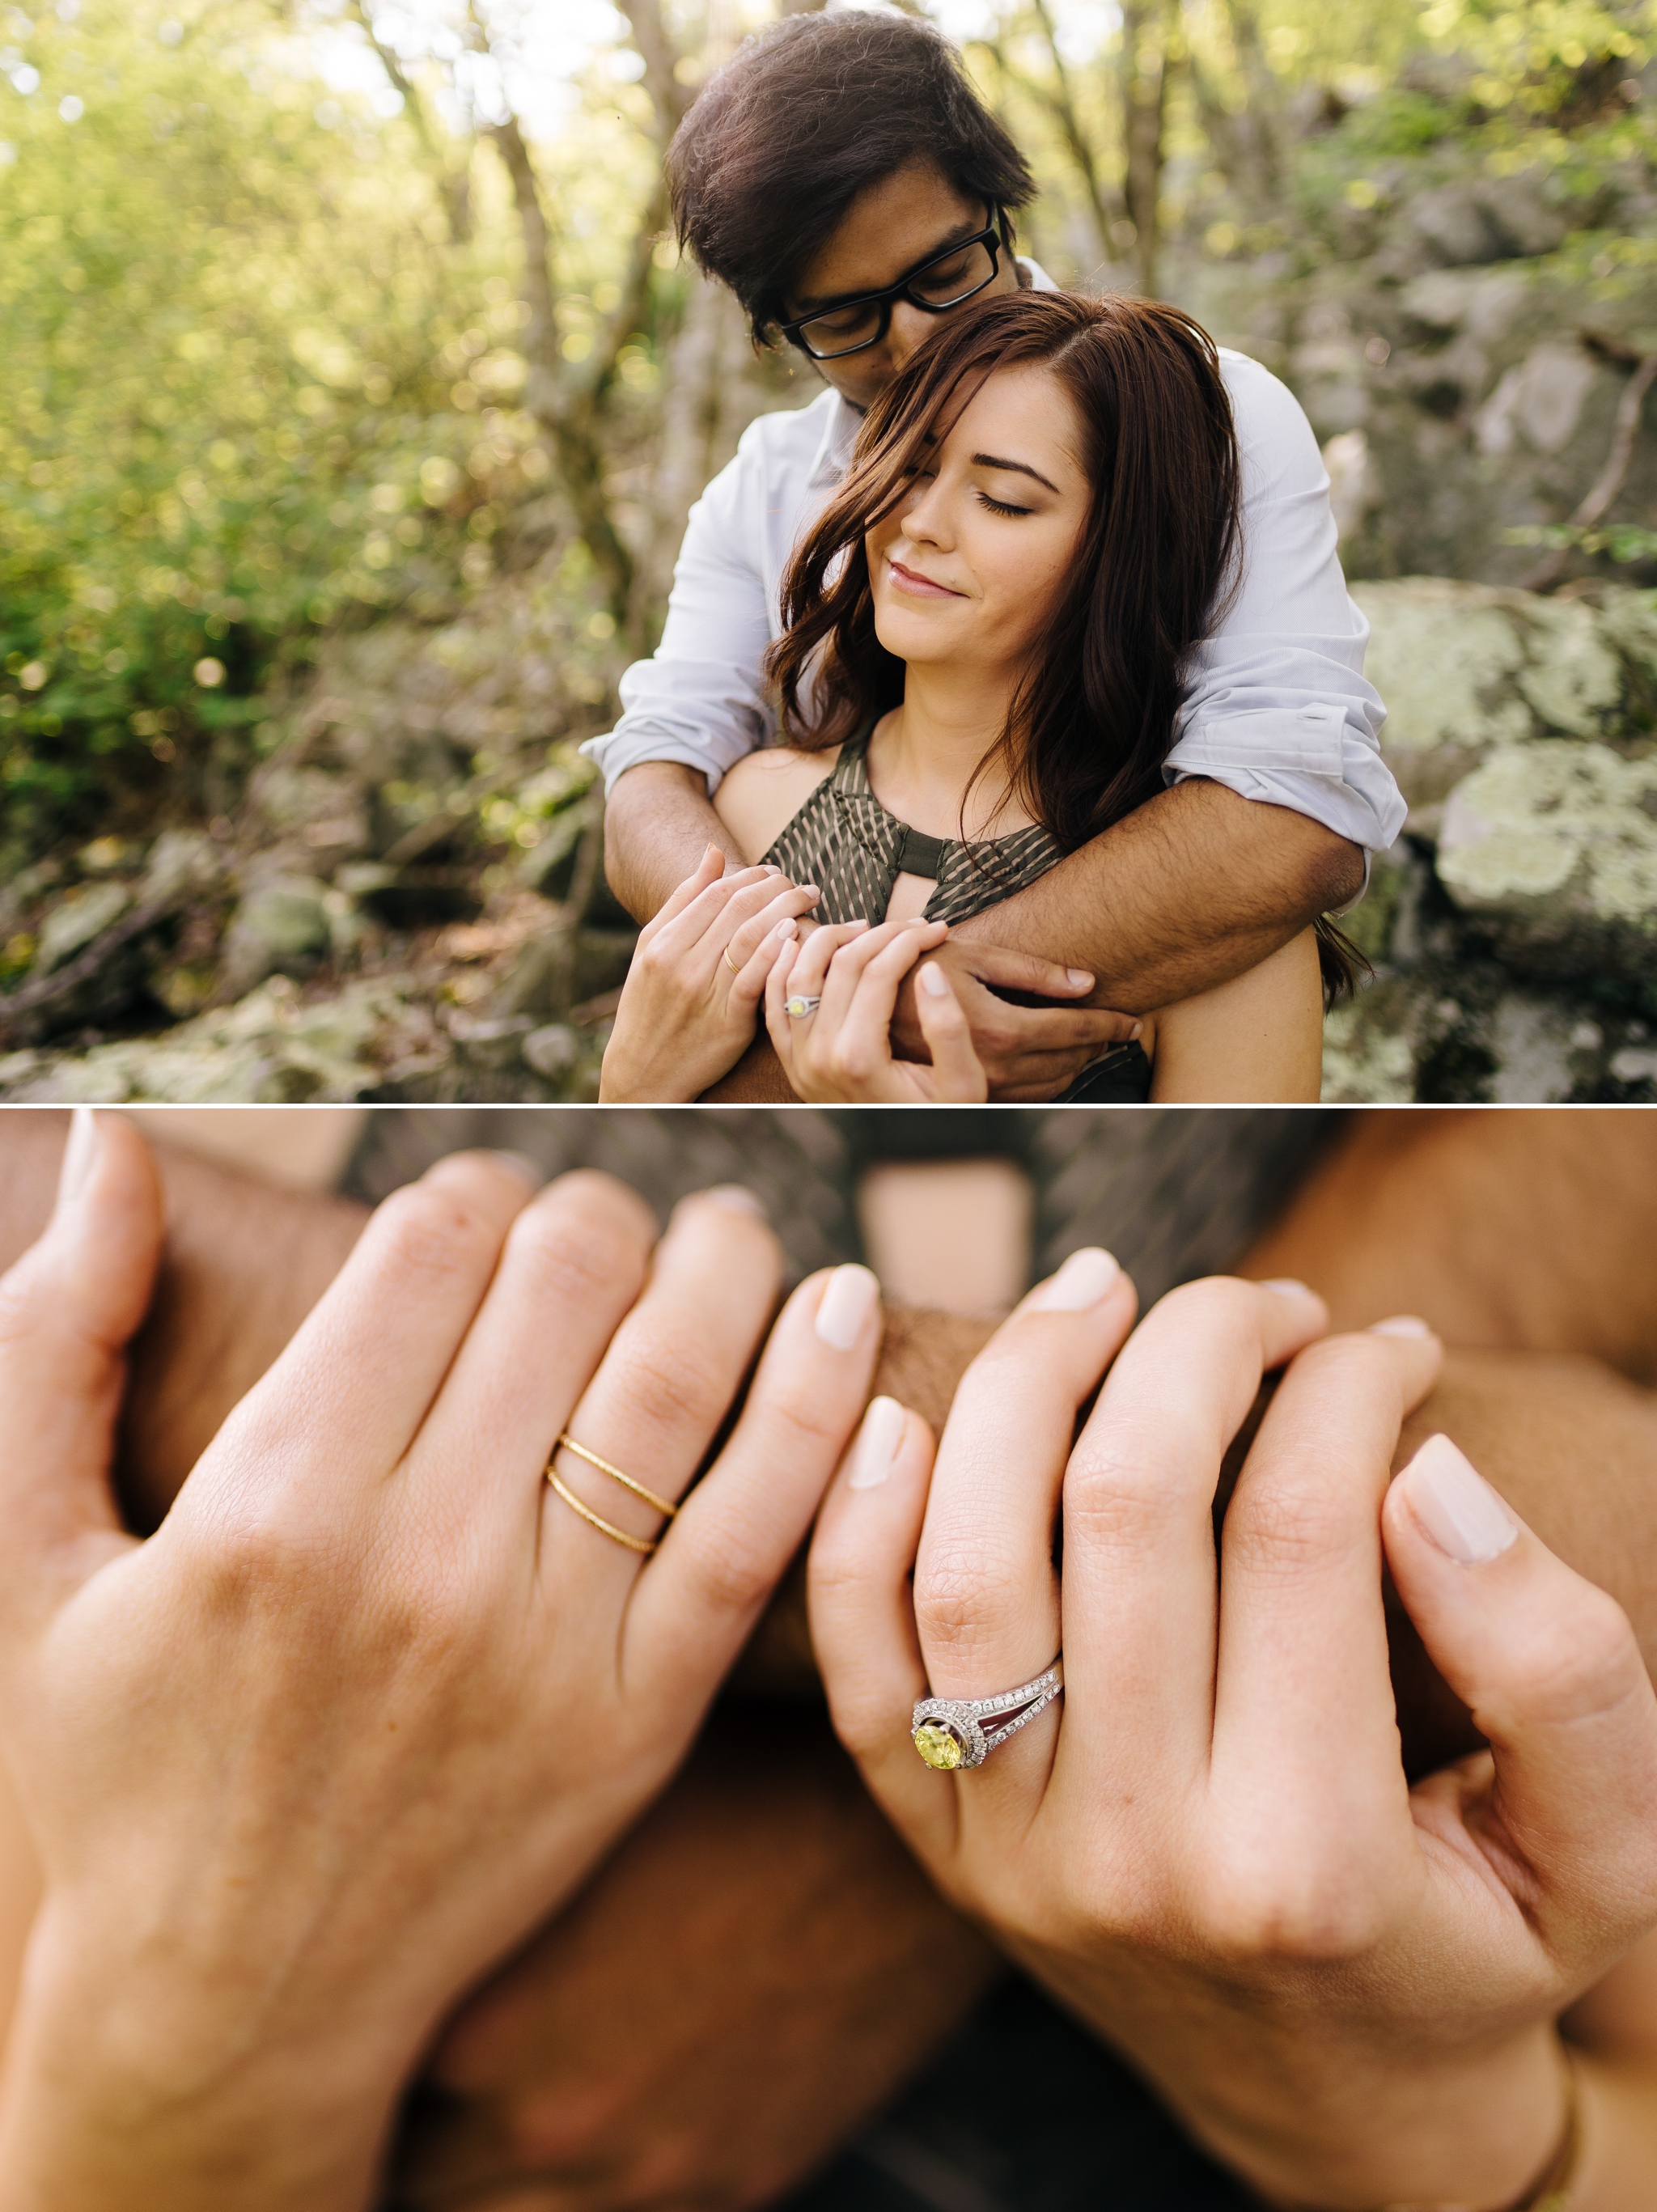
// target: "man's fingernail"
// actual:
[[879, 1441], [932, 981], [79, 1154], [1455, 1505], [847, 1304], [1288, 1286], [1403, 1325], [521, 1164], [735, 1198], [1080, 978], [1082, 1280], [1136, 1032]]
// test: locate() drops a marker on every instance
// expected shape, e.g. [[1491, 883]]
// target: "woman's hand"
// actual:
[[843, 1049], [376, 1698], [1209, 1849], [690, 1004]]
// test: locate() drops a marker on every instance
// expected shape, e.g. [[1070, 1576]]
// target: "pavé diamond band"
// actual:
[[953, 1732]]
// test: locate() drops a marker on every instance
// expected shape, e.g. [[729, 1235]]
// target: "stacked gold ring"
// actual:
[[663, 1505]]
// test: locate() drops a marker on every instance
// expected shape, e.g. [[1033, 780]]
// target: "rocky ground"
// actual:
[[376, 924], [408, 902]]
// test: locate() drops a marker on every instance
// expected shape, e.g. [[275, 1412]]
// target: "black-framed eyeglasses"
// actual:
[[935, 285]]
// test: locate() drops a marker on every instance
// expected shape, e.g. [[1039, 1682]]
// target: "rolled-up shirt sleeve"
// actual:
[[702, 698], [1276, 705]]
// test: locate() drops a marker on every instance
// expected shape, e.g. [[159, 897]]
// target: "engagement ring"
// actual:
[[798, 1009], [951, 1732]]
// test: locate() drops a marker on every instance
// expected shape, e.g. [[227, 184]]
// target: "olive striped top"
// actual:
[[844, 840]]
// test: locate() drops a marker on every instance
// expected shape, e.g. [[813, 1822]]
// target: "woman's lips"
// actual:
[[923, 588]]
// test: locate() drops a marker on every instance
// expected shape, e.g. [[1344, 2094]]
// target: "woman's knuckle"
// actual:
[[1288, 1525], [1212, 1304], [1272, 1907], [962, 1594], [729, 1573], [669, 1376], [575, 1261], [1573, 1666], [433, 1232]]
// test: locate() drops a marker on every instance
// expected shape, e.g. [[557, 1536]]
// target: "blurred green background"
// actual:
[[352, 395]]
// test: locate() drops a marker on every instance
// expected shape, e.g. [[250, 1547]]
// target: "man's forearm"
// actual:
[[1195, 887], [658, 822]]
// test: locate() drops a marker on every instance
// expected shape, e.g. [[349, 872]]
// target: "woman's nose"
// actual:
[[924, 520]]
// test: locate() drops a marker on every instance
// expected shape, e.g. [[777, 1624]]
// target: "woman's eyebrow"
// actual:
[[1018, 468]]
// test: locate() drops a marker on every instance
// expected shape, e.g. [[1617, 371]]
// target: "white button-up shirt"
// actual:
[[1276, 705]]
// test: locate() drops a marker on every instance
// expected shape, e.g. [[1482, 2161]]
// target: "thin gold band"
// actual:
[[730, 963], [596, 1520], [662, 1504]]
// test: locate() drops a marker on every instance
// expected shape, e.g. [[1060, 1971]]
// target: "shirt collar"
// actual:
[[834, 454]]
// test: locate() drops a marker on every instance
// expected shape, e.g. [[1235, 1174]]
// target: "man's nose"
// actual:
[[911, 326]]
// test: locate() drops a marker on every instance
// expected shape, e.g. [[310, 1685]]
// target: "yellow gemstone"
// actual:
[[937, 1746]]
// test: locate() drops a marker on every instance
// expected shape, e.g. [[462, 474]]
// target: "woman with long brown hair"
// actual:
[[986, 634]]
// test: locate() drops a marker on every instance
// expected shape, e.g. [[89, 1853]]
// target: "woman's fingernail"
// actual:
[[808, 890], [1403, 1325], [79, 1153], [735, 1198], [847, 1304], [932, 981], [879, 1441], [786, 929], [1455, 1505], [1287, 1286], [1082, 1280], [1080, 978], [521, 1164]]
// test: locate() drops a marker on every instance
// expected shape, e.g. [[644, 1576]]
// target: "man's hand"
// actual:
[[753, 1973], [1029, 1053], [1191, 888]]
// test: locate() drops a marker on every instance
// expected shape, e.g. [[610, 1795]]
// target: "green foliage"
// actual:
[[247, 390], [1626, 541]]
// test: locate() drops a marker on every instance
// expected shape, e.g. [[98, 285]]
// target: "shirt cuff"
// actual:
[[617, 750], [1309, 759]]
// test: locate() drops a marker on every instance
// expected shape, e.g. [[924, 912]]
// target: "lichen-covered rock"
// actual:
[[1552, 844], [380, 1038], [1464, 668], [72, 925], [280, 927]]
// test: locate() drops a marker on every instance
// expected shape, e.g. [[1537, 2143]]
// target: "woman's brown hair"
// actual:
[[1092, 719]]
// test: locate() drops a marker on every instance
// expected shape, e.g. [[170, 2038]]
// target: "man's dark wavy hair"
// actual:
[[1093, 719], [805, 116]]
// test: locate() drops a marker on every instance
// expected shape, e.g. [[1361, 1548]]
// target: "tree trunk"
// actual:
[[1144, 95]]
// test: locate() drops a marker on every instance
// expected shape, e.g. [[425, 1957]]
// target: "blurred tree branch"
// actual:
[[1148, 38], [1058, 100], [1247, 140], [569, 399], [454, 184]]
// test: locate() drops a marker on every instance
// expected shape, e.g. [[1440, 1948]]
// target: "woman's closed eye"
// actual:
[[1001, 505]]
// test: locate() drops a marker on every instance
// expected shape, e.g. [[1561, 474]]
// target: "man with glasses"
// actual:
[[841, 176]]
